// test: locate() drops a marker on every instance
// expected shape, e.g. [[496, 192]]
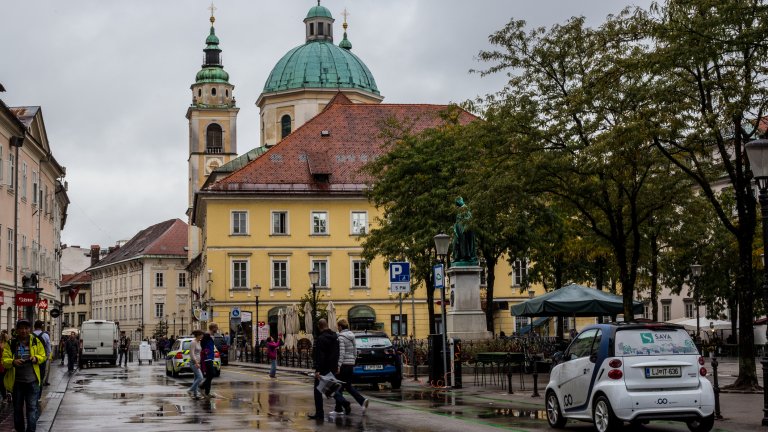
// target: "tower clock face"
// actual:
[[211, 164]]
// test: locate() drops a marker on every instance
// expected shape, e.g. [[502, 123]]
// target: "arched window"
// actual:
[[214, 139], [362, 318], [213, 91], [285, 126]]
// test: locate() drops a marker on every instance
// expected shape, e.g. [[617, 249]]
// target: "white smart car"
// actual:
[[635, 372]]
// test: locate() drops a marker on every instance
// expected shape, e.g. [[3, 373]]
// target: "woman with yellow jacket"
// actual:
[[21, 359]]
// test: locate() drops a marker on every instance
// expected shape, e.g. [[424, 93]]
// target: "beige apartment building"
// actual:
[[144, 282], [33, 211]]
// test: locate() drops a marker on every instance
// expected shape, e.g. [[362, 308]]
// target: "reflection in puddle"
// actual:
[[513, 413]]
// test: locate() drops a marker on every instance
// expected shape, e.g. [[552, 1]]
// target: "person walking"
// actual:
[[272, 356], [4, 394], [22, 357], [122, 349], [347, 357], [63, 348], [72, 347], [153, 347], [206, 356], [326, 358], [195, 348], [43, 335]]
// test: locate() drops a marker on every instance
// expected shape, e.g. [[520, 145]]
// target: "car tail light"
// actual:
[[615, 374], [701, 361], [216, 354], [179, 356], [703, 371], [615, 363]]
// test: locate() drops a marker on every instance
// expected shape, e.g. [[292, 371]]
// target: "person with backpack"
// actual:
[[122, 349], [347, 357], [22, 357], [43, 335], [326, 357], [207, 355]]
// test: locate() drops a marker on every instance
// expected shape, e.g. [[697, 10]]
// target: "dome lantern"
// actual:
[[319, 24]]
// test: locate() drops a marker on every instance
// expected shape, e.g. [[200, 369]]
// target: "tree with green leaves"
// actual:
[[705, 64], [576, 135]]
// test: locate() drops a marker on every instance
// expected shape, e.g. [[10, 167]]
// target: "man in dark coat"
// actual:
[[72, 347], [326, 356]]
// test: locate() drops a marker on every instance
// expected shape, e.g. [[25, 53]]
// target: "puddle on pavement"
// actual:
[[513, 413]]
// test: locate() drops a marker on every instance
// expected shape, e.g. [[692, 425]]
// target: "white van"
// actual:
[[98, 342]]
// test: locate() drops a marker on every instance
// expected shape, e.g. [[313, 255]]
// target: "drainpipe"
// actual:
[[16, 142]]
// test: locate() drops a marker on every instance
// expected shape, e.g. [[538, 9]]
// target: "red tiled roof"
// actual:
[[75, 279], [336, 143], [165, 238]]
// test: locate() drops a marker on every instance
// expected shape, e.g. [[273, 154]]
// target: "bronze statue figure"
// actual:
[[464, 249]]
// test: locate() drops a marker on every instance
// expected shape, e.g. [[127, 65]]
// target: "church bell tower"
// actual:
[[212, 117]]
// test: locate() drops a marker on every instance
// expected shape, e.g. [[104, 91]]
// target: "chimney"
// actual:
[[95, 254]]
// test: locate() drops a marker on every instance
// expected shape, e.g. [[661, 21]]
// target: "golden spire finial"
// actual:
[[345, 14], [212, 9]]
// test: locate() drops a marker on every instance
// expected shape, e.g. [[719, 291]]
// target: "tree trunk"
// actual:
[[431, 303], [747, 378], [654, 277], [490, 280]]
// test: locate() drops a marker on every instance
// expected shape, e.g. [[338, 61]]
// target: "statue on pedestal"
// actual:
[[464, 249]]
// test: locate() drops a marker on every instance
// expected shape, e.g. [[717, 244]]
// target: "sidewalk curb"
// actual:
[[54, 398]]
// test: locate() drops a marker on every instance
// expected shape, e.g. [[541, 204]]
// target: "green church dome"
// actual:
[[320, 64], [212, 75], [319, 11]]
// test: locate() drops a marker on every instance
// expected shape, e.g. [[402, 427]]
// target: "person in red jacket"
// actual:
[[272, 356]]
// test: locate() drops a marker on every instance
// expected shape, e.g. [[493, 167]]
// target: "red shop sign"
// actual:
[[42, 304], [2, 298], [26, 299]]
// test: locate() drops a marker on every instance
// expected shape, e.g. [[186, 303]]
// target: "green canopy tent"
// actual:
[[573, 300]]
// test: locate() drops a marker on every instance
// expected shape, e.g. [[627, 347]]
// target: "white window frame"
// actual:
[[23, 188], [355, 227], [275, 261], [666, 311], [159, 310], [35, 187], [243, 284], [11, 167], [324, 275], [159, 280], [689, 308], [10, 247], [286, 230], [245, 227], [312, 230], [182, 280], [352, 276], [24, 256], [519, 272]]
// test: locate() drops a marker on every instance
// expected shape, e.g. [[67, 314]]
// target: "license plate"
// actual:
[[90, 349], [663, 372], [373, 367]]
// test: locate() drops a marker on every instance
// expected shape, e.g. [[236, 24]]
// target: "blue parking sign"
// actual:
[[439, 276], [399, 272]]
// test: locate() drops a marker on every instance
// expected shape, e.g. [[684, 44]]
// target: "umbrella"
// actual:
[[280, 323], [690, 323], [308, 319], [573, 300], [331, 309], [295, 324], [290, 338]]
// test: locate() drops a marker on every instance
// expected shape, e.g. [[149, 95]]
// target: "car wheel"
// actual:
[[396, 383], [702, 425], [174, 373], [167, 372], [139, 362], [225, 362], [217, 373], [554, 415], [603, 417]]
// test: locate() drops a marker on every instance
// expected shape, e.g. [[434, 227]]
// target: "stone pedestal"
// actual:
[[466, 319]]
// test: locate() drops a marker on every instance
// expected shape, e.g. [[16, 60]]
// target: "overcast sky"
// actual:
[[112, 78]]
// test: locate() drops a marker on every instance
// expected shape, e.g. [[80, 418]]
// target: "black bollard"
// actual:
[[509, 379], [535, 379], [716, 388]]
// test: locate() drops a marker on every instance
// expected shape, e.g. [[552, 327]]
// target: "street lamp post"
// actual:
[[696, 272], [757, 153], [442, 241], [257, 348], [314, 278], [181, 330], [174, 324], [166, 325]]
